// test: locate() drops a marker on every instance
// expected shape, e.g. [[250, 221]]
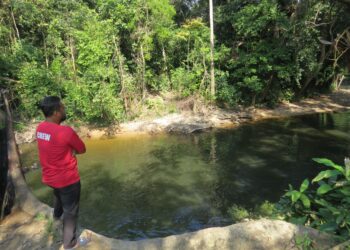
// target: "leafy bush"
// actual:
[[94, 102], [325, 203], [226, 93], [36, 82], [184, 81], [238, 213], [265, 209]]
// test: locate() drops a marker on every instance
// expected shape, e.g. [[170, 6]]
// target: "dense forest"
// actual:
[[104, 57]]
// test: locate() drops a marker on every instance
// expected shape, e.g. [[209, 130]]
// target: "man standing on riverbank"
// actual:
[[58, 146]]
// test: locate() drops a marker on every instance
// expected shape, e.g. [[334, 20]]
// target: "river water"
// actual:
[[136, 187]]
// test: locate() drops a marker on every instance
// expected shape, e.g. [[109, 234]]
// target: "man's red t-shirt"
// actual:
[[56, 144]]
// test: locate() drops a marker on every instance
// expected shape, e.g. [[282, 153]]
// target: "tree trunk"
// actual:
[[266, 89], [212, 73], [166, 68], [72, 52], [14, 23], [24, 199], [45, 51], [314, 73], [121, 74], [143, 72]]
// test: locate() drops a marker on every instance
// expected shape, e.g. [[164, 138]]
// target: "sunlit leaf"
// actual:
[[326, 174], [325, 188], [305, 200], [304, 185], [295, 195], [329, 163]]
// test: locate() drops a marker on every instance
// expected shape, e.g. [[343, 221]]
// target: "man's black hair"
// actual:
[[49, 105]]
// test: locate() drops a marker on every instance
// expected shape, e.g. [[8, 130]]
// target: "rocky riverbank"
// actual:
[[22, 231], [207, 117]]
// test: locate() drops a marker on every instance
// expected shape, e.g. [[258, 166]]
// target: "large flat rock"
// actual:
[[252, 235]]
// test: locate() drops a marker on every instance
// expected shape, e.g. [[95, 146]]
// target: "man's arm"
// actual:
[[77, 144]]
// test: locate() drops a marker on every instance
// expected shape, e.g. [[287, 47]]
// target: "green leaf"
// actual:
[[295, 196], [305, 200], [322, 202], [329, 163], [345, 191], [298, 220], [326, 174], [329, 227], [304, 185], [325, 188]]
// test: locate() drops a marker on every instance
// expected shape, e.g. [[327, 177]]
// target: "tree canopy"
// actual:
[[103, 57]]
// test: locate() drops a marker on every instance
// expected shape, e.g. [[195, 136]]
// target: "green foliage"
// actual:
[[304, 242], [36, 82], [96, 102], [104, 56], [324, 204], [184, 82], [40, 217], [226, 93], [18, 126], [238, 213], [263, 210]]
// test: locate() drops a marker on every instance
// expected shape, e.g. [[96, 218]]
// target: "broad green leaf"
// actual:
[[295, 195], [347, 200], [329, 163], [329, 227], [304, 185], [326, 174], [322, 202], [298, 220], [305, 200], [345, 191], [325, 213], [325, 188]]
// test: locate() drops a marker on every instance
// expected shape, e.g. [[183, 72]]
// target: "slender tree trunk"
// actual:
[[45, 51], [212, 72], [14, 23], [143, 72], [121, 74], [205, 74], [266, 89], [72, 50], [166, 68], [188, 55]]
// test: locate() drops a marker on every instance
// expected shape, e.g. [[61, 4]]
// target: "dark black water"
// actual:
[[153, 186]]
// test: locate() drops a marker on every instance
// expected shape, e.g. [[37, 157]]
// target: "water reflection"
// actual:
[[153, 186]]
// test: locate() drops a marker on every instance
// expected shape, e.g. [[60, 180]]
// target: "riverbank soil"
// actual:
[[193, 115]]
